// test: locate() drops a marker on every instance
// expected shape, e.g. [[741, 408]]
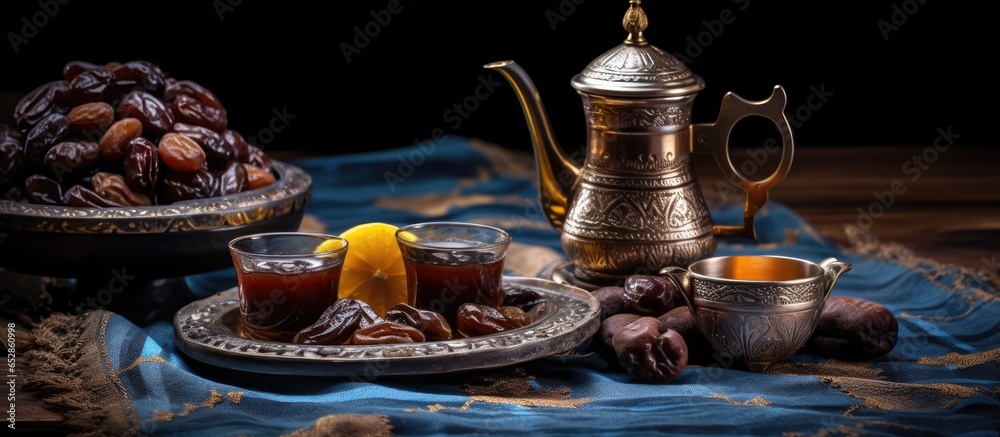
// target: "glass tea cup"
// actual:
[[452, 263], [285, 280]]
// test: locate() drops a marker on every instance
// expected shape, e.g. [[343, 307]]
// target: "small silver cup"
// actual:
[[756, 308]]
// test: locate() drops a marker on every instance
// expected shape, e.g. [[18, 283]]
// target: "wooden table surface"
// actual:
[[942, 205], [947, 208]]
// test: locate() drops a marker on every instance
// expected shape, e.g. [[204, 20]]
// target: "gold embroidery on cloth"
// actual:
[[965, 283], [506, 388], [756, 400], [214, 398], [140, 360], [369, 425], [887, 395], [860, 380], [830, 368], [962, 361], [430, 409]]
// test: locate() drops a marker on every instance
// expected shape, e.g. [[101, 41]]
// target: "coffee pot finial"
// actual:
[[635, 22]]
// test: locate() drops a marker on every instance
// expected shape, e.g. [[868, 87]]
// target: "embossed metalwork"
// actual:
[[162, 241], [758, 294], [605, 116], [206, 330], [289, 193], [618, 212], [758, 338], [642, 169], [650, 215], [628, 69], [758, 316]]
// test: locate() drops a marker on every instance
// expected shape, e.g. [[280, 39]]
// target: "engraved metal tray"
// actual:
[[207, 330]]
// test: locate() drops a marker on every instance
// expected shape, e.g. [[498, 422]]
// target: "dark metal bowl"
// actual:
[[97, 245], [153, 241]]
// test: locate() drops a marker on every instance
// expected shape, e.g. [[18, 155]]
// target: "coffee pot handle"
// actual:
[[714, 137]]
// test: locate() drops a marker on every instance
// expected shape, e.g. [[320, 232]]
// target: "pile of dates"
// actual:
[[353, 321], [124, 134], [648, 331]]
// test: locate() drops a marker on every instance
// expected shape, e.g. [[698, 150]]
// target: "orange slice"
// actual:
[[329, 246], [373, 269]]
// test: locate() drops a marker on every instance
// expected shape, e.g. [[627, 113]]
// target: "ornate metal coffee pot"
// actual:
[[634, 205]]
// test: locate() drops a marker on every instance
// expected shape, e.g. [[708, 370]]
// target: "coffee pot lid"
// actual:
[[636, 68]]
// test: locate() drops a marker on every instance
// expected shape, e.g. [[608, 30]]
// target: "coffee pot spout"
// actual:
[[556, 172]]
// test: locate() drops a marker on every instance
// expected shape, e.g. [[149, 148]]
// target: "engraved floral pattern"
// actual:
[[637, 64], [760, 338], [758, 294], [607, 117], [657, 164], [648, 215]]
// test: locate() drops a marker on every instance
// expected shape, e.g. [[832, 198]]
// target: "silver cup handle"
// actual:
[[832, 269], [682, 280]]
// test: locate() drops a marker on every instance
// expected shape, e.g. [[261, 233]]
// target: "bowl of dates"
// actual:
[[122, 168]]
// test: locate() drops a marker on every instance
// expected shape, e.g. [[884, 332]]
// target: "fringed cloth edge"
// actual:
[[70, 368]]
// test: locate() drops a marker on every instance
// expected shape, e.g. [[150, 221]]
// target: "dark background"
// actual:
[[263, 58]]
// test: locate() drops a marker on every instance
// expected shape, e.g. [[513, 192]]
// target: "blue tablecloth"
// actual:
[[943, 377]]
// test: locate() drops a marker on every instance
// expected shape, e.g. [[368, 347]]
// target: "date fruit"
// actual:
[[258, 177], [10, 158], [387, 333], [180, 152], [646, 354], [43, 190], [117, 137], [72, 158], [112, 186], [612, 299], [474, 319], [522, 298], [141, 165], [369, 316], [649, 295], [91, 85], [52, 97], [178, 186], [47, 133], [190, 110], [610, 326], [539, 310], [91, 118], [126, 109], [154, 115], [81, 196], [233, 179], [432, 324], [853, 329], [335, 326], [679, 319]]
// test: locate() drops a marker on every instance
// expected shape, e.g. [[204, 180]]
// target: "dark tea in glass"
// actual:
[[448, 264], [285, 281]]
